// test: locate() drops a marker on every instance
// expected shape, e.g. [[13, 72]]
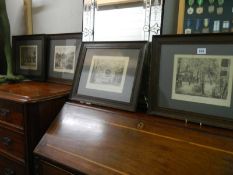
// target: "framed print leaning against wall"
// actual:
[[29, 56], [193, 78], [109, 74], [63, 55]]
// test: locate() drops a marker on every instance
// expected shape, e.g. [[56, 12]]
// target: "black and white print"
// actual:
[[64, 59], [203, 79], [28, 57], [107, 73]]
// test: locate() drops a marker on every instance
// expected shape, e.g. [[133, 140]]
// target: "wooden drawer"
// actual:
[[11, 114], [49, 169], [8, 167], [12, 143]]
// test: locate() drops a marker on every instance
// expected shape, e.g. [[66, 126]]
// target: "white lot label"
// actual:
[[201, 51]]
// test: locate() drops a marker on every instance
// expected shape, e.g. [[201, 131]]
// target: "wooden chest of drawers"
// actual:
[[26, 110], [100, 141]]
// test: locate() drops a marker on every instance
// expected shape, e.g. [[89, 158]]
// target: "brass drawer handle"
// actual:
[[6, 141], [8, 171], [4, 112]]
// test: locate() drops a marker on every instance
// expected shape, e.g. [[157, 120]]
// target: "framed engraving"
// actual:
[[109, 74], [29, 55], [191, 78], [63, 55]]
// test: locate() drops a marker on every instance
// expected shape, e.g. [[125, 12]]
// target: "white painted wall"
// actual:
[[16, 16], [57, 16], [49, 16]]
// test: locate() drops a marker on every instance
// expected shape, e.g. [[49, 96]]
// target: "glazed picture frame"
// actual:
[[30, 56], [191, 78], [109, 74], [63, 52]]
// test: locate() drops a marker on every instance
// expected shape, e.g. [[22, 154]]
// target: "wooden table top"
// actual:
[[32, 91], [105, 142]]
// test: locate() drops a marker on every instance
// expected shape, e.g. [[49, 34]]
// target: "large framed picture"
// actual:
[[210, 16], [191, 78], [29, 56], [109, 74], [63, 54]]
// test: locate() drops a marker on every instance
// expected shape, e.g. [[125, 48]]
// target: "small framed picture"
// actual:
[[29, 56], [191, 78], [109, 74], [63, 55]]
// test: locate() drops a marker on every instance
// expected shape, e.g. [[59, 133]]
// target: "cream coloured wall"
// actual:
[[49, 16], [16, 16], [57, 16]]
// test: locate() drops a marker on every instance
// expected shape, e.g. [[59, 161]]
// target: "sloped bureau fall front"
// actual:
[[102, 141], [26, 110]]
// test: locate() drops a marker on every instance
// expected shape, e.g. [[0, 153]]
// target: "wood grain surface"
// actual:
[[32, 91], [98, 141], [26, 111]]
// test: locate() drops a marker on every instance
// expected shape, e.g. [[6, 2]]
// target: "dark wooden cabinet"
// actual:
[[102, 141], [11, 167], [26, 111]]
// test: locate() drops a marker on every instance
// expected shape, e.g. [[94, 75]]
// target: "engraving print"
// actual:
[[203, 79], [107, 73], [28, 57], [64, 59]]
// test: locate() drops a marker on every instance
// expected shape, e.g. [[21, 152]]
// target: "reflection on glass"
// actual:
[[119, 20]]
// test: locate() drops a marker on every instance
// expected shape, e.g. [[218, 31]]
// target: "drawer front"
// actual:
[[46, 168], [11, 113], [8, 167], [12, 143]]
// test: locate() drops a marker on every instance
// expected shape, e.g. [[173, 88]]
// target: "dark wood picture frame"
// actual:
[[126, 62], [216, 22], [162, 78], [62, 43], [21, 45]]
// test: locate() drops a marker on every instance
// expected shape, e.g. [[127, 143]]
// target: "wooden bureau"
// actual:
[[26, 110], [102, 141]]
